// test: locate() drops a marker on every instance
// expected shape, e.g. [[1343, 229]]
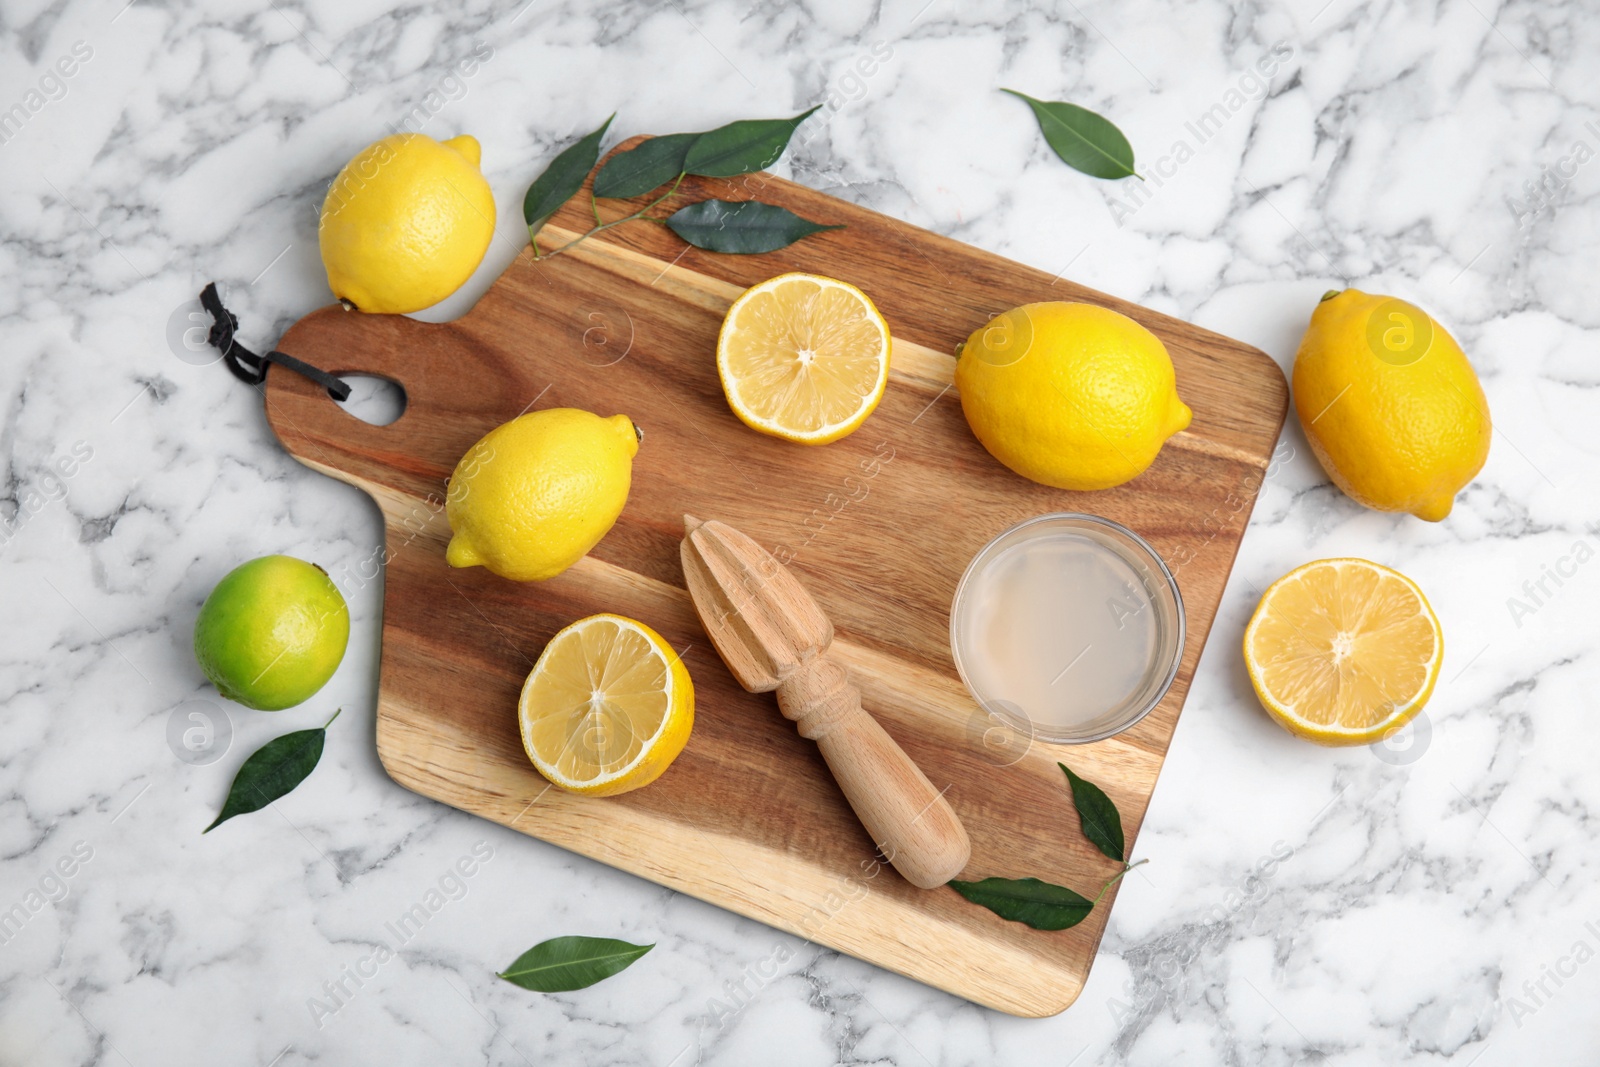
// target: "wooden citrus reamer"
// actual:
[[773, 635]]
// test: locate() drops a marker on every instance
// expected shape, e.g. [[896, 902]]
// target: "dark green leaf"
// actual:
[[639, 170], [564, 963], [1098, 815], [1082, 139], [272, 770], [561, 179], [1028, 901], [743, 226], [741, 147]]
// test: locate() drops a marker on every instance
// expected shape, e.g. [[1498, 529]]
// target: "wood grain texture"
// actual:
[[773, 636], [878, 526]]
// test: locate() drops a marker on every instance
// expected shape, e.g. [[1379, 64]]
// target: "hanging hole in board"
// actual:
[[373, 400]]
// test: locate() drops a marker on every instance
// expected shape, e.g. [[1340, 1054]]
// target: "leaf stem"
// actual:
[[674, 188], [1126, 867], [329, 723], [640, 214]]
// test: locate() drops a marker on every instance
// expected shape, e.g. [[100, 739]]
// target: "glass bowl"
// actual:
[[1067, 627]]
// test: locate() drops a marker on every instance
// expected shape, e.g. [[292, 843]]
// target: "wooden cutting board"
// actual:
[[879, 527]]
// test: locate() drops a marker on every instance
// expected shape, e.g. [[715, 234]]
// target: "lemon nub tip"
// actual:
[[468, 146], [462, 554], [1180, 416], [631, 432], [1436, 511]]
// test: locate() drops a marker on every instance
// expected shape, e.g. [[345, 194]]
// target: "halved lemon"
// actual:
[[1342, 651], [803, 357], [607, 708]]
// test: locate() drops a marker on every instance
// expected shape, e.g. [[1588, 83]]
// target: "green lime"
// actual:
[[272, 632]]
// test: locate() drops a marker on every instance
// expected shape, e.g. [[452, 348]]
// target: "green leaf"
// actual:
[[273, 770], [561, 179], [1028, 901], [564, 963], [1082, 139], [1102, 825], [639, 170], [741, 147], [744, 226]]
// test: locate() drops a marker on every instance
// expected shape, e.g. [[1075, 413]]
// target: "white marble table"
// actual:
[[1424, 904]]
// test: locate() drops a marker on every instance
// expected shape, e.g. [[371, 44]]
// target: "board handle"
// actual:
[[418, 357], [909, 820]]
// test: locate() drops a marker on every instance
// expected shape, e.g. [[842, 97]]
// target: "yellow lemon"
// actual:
[[1070, 395], [406, 223], [1390, 404], [535, 494], [607, 708], [1342, 651], [803, 357]]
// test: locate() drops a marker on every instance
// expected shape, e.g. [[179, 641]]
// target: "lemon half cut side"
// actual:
[[1342, 651], [607, 708], [803, 357]]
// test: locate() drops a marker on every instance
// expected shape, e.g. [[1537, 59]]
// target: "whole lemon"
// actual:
[[1071, 395], [535, 494], [406, 223], [272, 632], [1390, 404]]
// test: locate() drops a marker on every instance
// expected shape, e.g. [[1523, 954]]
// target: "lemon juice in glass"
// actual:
[[1068, 627]]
